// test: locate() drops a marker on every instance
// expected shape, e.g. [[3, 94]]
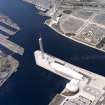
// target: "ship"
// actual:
[[82, 21], [84, 87]]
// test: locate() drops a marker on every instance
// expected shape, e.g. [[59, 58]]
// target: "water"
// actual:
[[32, 85]]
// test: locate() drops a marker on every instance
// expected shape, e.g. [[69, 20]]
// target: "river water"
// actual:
[[32, 85]]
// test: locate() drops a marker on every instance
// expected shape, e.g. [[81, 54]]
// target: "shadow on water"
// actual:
[[32, 85]]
